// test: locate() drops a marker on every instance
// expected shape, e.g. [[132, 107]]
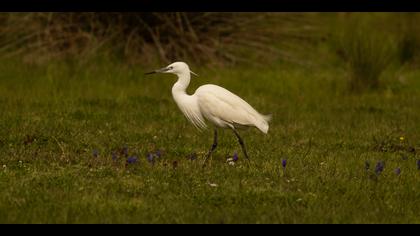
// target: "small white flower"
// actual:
[[232, 163], [229, 159], [213, 185], [4, 166]]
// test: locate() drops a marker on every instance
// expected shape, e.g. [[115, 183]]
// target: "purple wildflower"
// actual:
[[158, 153], [95, 153], [284, 163], [235, 157], [150, 158], [398, 171], [379, 167], [132, 160], [114, 156]]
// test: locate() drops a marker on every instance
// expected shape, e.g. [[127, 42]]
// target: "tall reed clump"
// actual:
[[408, 32], [366, 48], [201, 37]]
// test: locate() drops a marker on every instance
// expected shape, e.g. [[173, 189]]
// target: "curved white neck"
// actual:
[[180, 87], [188, 104]]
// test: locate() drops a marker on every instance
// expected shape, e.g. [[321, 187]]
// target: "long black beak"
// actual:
[[157, 71]]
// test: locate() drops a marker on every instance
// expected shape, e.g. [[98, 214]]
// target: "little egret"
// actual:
[[214, 103]]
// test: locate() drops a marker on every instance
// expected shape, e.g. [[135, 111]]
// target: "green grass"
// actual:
[[52, 118], [367, 50]]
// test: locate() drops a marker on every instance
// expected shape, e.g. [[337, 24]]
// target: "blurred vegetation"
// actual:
[[362, 44], [147, 37], [365, 47], [408, 32]]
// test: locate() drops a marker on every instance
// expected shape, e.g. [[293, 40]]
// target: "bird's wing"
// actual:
[[220, 103]]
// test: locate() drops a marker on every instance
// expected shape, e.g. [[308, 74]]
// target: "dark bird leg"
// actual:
[[213, 147], [241, 142]]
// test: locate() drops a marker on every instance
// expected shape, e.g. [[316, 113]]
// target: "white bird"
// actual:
[[216, 104]]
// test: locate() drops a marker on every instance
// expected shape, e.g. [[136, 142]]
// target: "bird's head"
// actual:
[[176, 68]]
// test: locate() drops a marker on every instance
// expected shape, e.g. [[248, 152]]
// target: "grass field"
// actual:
[[64, 128]]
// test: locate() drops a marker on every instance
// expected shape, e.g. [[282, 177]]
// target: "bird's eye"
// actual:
[[170, 68]]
